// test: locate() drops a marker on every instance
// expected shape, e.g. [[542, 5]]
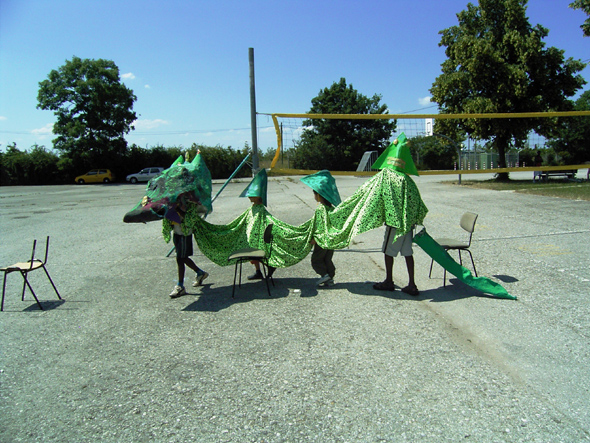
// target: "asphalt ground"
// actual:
[[119, 361]]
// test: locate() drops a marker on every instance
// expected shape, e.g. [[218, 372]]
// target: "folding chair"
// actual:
[[24, 268], [249, 254]]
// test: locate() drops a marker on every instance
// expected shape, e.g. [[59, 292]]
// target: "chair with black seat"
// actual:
[[467, 222], [253, 254], [24, 268]]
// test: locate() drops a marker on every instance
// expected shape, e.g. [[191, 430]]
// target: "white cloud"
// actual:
[[45, 130], [147, 87], [425, 101], [128, 76], [2, 118], [149, 124]]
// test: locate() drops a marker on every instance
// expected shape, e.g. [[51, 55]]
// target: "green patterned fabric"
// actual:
[[389, 197]]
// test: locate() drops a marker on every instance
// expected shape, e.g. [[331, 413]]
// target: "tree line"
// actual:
[[39, 166]]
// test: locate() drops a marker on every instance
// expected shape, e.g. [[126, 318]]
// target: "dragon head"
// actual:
[[170, 192]]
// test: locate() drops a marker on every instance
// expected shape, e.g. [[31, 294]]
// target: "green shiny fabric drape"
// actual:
[[389, 197]]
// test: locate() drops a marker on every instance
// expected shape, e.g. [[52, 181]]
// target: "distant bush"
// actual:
[[39, 166]]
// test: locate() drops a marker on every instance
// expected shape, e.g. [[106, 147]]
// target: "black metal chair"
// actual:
[[250, 254], [24, 268], [468, 224]]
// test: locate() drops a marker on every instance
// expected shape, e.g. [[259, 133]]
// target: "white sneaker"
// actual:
[[323, 280], [199, 279], [177, 291]]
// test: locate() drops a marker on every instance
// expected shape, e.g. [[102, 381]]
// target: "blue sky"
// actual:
[[187, 61]]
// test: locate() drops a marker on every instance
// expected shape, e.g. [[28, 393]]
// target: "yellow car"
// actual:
[[96, 176]]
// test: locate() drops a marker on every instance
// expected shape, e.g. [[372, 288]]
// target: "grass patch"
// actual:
[[573, 190]]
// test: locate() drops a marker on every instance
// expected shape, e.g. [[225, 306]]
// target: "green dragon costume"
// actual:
[[391, 197]]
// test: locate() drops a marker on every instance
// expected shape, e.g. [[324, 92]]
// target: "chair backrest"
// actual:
[[33, 254], [268, 233], [46, 250], [268, 237], [468, 223]]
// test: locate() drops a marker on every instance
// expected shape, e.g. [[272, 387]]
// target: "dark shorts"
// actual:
[[183, 245]]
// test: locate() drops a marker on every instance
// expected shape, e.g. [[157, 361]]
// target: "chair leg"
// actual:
[[265, 275], [3, 292], [472, 262], [52, 284], [240, 279], [24, 274], [268, 275], [431, 263], [24, 286], [233, 291]]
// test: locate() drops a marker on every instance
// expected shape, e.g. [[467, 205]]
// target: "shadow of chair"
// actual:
[[467, 222], [25, 268], [253, 254]]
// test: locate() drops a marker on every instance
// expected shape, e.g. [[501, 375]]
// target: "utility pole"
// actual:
[[255, 165]]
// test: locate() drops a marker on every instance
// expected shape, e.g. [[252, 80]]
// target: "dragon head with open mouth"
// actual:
[[169, 193]]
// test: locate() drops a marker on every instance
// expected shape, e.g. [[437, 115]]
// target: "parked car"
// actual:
[[146, 174], [96, 176]]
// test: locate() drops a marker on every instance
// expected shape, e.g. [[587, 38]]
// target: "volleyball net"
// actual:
[[472, 156]]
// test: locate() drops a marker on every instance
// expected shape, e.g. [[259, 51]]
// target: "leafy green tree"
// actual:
[[94, 109], [340, 144], [432, 152], [37, 167], [571, 141], [221, 161], [497, 63], [583, 5]]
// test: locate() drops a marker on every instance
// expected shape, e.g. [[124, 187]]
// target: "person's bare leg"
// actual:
[[387, 284], [388, 269], [411, 289]]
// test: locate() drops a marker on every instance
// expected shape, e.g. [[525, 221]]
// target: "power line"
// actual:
[[178, 132]]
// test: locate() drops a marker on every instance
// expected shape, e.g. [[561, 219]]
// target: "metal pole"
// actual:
[[255, 166], [230, 177]]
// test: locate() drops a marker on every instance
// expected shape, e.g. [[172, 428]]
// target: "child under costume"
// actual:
[[398, 158], [189, 186], [183, 243], [327, 195], [256, 192]]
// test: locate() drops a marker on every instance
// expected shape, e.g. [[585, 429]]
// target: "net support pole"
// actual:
[[255, 165]]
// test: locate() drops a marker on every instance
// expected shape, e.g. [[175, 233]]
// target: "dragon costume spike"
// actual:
[[178, 161], [257, 187], [397, 156]]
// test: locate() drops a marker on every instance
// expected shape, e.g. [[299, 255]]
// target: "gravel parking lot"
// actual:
[[119, 361]]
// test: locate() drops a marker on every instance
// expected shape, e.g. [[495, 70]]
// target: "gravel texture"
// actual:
[[119, 361]]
